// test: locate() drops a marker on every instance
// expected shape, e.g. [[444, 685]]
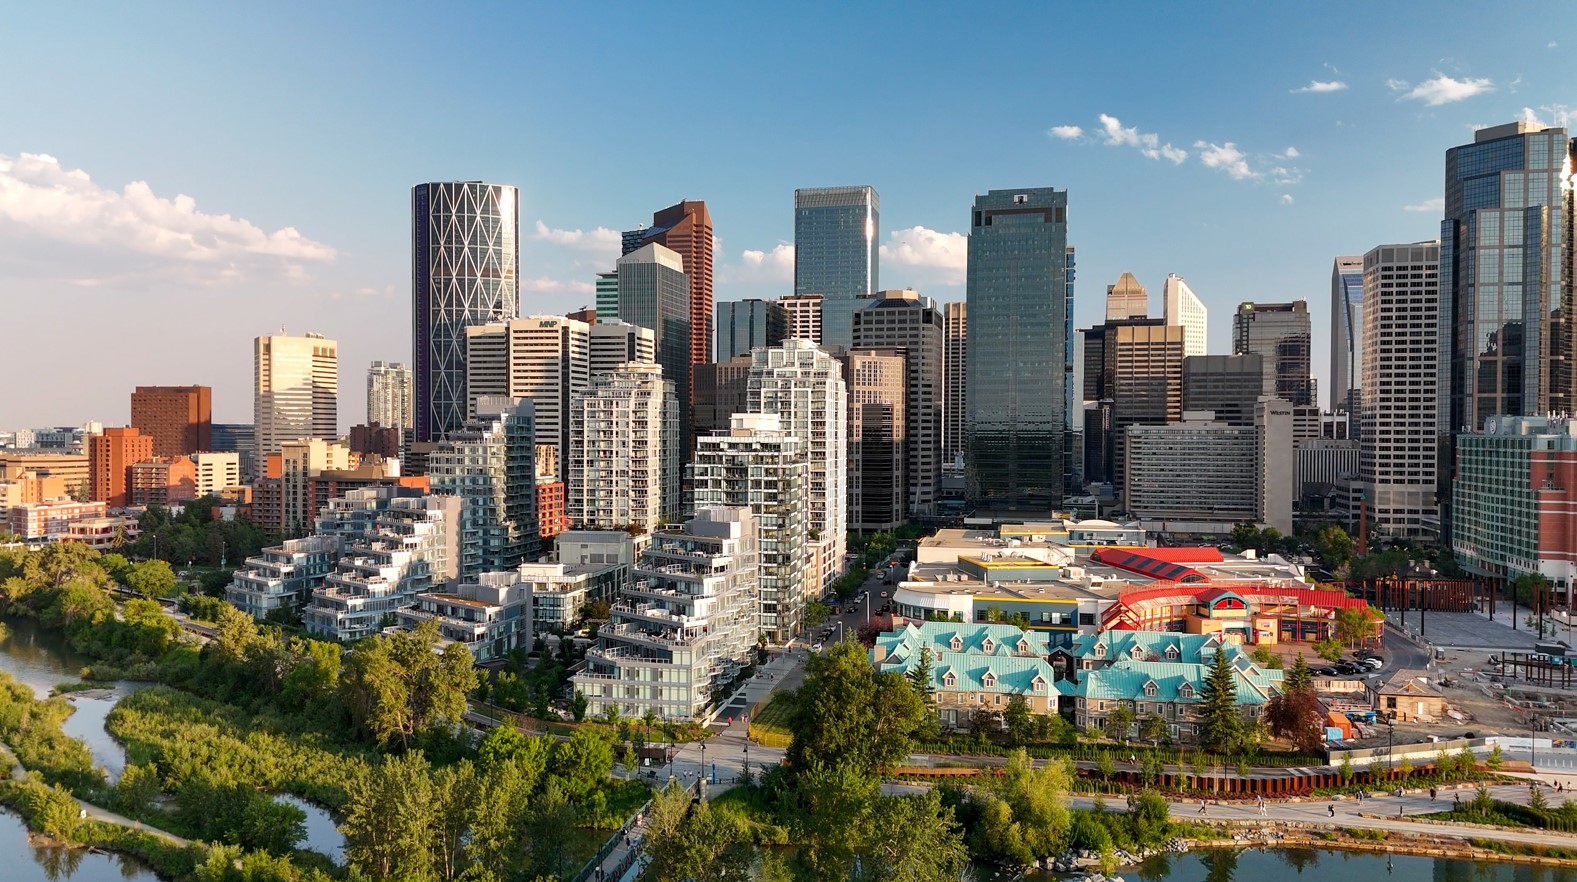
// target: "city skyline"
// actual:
[[160, 219]]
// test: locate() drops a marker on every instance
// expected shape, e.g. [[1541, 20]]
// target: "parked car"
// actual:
[[1326, 672], [1374, 663]]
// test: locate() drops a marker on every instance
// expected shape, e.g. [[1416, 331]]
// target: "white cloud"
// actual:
[[1286, 199], [1226, 157], [1436, 204], [1317, 86], [601, 239], [547, 285], [774, 266], [1148, 143], [1291, 153], [1554, 115], [936, 256], [56, 222], [1550, 45], [1066, 133], [1442, 89]]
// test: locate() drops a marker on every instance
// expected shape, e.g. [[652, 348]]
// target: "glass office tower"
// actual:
[[654, 292], [836, 252], [1020, 300], [1346, 333], [1506, 275], [465, 258]]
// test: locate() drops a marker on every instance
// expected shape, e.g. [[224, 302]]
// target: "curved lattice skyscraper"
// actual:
[[465, 255]]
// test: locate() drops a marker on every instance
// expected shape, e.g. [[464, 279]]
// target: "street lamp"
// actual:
[[703, 760]]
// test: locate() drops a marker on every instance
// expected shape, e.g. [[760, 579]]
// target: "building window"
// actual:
[[1149, 690]]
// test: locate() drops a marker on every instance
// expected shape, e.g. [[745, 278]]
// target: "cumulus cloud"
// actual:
[[1436, 204], [1226, 157], [1066, 133], [1291, 153], [1553, 115], [775, 266], [1317, 86], [1148, 143], [1286, 199], [57, 222], [547, 285], [601, 239], [934, 256], [1441, 89]]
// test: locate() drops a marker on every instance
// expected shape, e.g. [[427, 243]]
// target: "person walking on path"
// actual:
[[1202, 809], [1431, 794], [1332, 809]]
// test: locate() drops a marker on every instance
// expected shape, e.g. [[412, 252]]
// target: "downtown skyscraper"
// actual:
[[1346, 333], [389, 395], [687, 229], [837, 239], [1020, 303], [1506, 277], [465, 258], [295, 391]]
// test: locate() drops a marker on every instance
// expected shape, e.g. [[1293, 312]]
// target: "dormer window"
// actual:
[[1185, 691], [1038, 684], [956, 644], [1137, 653], [1171, 653], [949, 680], [989, 680], [1150, 689], [1023, 646], [989, 646], [1100, 650]]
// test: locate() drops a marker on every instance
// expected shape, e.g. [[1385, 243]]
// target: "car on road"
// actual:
[[1346, 669], [1374, 663], [883, 594]]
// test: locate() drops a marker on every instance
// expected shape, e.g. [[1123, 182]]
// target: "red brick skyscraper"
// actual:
[[180, 418], [687, 229], [110, 458]]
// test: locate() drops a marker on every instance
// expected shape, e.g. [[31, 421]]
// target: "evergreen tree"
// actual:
[[1220, 723], [1300, 677]]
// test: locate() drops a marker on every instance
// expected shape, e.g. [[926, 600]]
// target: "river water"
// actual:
[[43, 659]]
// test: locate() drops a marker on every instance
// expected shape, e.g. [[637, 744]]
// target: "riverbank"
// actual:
[[1243, 834]]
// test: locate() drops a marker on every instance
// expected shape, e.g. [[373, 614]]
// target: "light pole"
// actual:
[[703, 761], [747, 758]]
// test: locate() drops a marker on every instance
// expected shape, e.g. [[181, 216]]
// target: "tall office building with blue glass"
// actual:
[[1506, 276], [1346, 333], [465, 258], [1020, 303], [837, 244]]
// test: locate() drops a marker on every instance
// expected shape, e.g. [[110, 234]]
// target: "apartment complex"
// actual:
[[389, 396], [1514, 509], [280, 580], [878, 430], [682, 633], [110, 458], [623, 465], [907, 323], [489, 462], [760, 466]]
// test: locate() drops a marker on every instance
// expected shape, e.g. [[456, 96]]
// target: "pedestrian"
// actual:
[[1457, 797], [1431, 794], [1202, 809], [1331, 809]]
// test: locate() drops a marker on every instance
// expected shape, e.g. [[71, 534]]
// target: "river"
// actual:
[[42, 660]]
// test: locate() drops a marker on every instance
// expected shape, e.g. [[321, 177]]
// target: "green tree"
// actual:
[[1300, 677], [396, 687], [830, 810], [549, 824], [137, 788], [1221, 727], [690, 842], [151, 578], [1330, 650], [1153, 729], [1495, 760], [582, 762], [1346, 769], [1024, 814], [390, 819], [1018, 720], [577, 706], [1118, 723], [848, 709], [454, 787], [1354, 624], [913, 839], [1334, 547], [816, 614]]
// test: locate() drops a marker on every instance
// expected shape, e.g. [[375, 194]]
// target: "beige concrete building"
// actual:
[[216, 472], [389, 396], [878, 436], [299, 461], [623, 464], [955, 356], [295, 390], [804, 316]]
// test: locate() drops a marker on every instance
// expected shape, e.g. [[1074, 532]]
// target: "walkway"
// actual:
[[92, 811]]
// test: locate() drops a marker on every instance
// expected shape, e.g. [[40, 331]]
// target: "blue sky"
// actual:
[[178, 178]]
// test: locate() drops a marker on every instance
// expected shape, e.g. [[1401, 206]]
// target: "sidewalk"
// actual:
[[91, 810]]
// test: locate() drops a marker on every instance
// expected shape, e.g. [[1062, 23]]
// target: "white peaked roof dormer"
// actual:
[[1023, 644], [1100, 650], [1171, 652], [1150, 689], [949, 679], [988, 680], [1137, 652], [956, 644], [989, 645], [1038, 684], [1186, 690]]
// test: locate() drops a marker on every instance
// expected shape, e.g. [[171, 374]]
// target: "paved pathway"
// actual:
[[91, 810]]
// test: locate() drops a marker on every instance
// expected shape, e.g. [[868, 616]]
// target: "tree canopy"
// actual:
[[849, 712]]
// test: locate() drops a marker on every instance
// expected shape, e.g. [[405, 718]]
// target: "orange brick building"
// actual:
[[552, 517], [162, 480], [180, 418], [110, 458]]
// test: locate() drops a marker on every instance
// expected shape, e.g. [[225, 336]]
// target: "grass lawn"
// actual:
[[770, 726]]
